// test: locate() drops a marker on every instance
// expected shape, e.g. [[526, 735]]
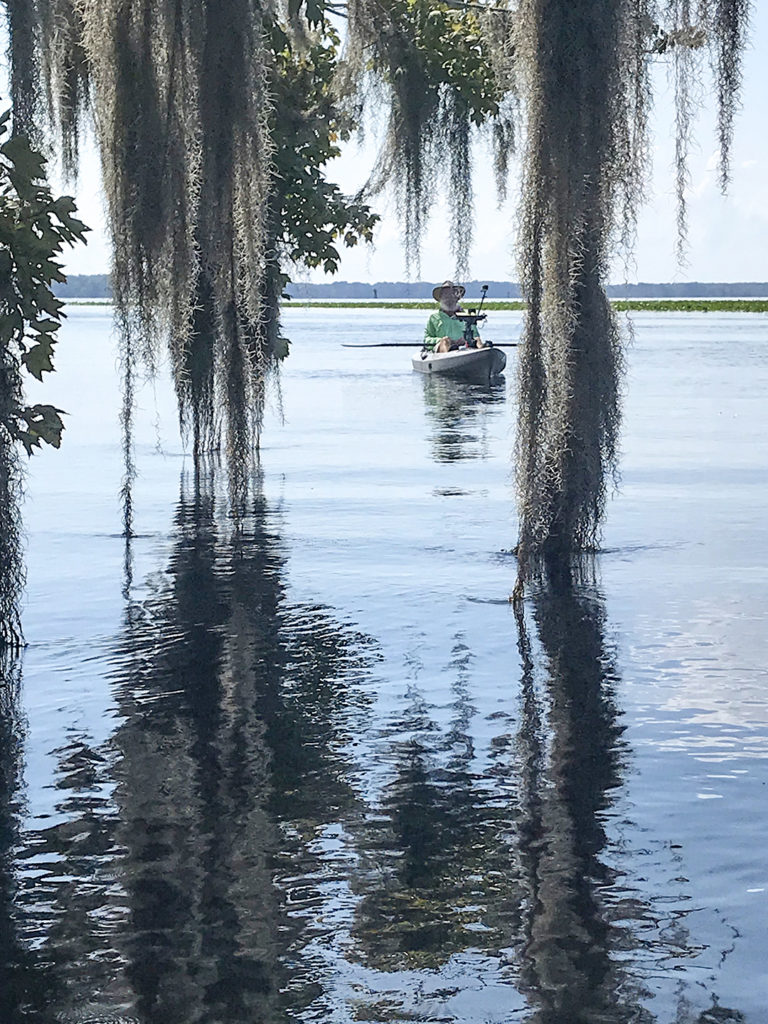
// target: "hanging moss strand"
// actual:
[[580, 122], [730, 22]]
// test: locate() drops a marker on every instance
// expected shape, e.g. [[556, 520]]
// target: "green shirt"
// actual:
[[441, 325]]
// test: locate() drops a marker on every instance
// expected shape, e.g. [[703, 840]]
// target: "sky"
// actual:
[[728, 235]]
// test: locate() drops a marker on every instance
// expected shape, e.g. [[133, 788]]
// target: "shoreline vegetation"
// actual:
[[499, 305]]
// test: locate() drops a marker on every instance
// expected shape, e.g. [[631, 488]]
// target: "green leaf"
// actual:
[[64, 207], [27, 439], [44, 426], [45, 326], [314, 12], [47, 302], [281, 348], [39, 359], [34, 227], [28, 165], [12, 324]]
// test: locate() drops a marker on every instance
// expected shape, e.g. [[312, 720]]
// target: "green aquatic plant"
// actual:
[[620, 305], [34, 228]]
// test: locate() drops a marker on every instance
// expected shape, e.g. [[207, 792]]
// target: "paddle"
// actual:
[[415, 344]]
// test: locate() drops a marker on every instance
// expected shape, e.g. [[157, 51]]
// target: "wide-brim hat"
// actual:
[[448, 284]]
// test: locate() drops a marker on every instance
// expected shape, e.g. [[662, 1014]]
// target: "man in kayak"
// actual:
[[444, 332]]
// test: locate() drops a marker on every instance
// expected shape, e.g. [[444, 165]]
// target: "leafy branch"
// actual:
[[34, 228]]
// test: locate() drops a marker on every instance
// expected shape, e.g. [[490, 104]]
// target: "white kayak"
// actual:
[[470, 363]]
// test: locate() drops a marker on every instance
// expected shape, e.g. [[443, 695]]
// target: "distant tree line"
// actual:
[[84, 286], [97, 286]]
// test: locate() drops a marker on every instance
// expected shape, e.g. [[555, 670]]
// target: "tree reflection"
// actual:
[[571, 759], [237, 705], [505, 857], [588, 939], [180, 877], [437, 875], [215, 861], [459, 414], [25, 984], [509, 854]]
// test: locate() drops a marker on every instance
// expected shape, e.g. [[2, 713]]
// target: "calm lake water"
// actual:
[[311, 770]]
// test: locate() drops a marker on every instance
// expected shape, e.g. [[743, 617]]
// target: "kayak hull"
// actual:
[[468, 363]]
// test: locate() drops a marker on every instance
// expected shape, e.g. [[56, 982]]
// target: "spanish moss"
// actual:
[[128, 381], [180, 111], [179, 101], [23, 64], [730, 20], [66, 76], [687, 91], [408, 158], [12, 573], [584, 74], [581, 120], [427, 65], [498, 48], [197, 175], [456, 140]]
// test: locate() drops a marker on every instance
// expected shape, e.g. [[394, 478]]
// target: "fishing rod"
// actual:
[[471, 318]]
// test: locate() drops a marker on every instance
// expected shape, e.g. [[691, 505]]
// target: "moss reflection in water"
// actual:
[[437, 872], [180, 876], [237, 706], [513, 859], [25, 984], [591, 944], [225, 857], [571, 759]]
